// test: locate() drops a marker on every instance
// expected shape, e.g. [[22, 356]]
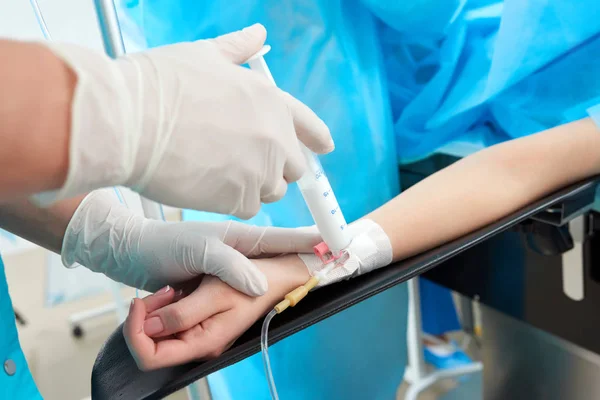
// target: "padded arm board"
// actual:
[[116, 376]]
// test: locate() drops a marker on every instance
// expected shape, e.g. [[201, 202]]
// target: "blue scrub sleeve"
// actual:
[[16, 381]]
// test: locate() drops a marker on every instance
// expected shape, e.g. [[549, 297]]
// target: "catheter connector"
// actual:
[[325, 254], [294, 297]]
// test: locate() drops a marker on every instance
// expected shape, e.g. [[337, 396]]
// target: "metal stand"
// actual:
[[416, 371], [112, 39], [524, 362], [199, 390]]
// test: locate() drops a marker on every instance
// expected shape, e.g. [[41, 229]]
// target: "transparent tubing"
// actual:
[[40, 19], [264, 348], [264, 333]]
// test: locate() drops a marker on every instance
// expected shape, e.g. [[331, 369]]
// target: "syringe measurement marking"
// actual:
[[319, 174]]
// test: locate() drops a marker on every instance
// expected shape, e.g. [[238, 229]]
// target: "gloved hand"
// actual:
[[187, 126], [370, 249], [106, 237]]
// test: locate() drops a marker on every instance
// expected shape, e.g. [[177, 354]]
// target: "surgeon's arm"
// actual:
[[43, 226]]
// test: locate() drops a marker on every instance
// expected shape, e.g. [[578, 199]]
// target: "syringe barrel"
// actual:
[[314, 185], [322, 204]]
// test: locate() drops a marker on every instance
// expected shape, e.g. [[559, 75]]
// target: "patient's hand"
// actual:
[[166, 329]]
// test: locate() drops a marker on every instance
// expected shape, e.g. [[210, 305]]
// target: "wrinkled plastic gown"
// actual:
[[315, 56], [491, 72], [451, 71]]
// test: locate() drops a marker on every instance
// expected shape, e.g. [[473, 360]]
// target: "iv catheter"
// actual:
[[328, 217]]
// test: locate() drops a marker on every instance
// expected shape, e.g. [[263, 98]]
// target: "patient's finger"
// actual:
[[206, 340], [139, 344], [159, 299], [216, 334], [147, 353], [212, 337], [203, 341], [186, 313]]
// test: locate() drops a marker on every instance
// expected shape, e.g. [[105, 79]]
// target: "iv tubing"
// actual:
[[290, 300], [40, 19], [265, 353]]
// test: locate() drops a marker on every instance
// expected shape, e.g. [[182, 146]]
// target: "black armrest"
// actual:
[[116, 376]]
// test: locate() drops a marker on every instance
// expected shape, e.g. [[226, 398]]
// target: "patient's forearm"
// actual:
[[488, 185], [43, 226]]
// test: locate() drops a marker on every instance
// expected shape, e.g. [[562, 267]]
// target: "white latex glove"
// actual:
[[106, 237], [370, 249], [186, 126]]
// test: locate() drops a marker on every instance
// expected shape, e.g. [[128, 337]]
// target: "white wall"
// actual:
[[68, 21]]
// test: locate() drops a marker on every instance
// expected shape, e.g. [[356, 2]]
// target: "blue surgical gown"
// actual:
[[394, 80], [16, 381]]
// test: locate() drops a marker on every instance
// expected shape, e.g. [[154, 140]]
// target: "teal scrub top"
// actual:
[[16, 381]]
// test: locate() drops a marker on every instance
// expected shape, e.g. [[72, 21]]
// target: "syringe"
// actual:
[[315, 189]]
